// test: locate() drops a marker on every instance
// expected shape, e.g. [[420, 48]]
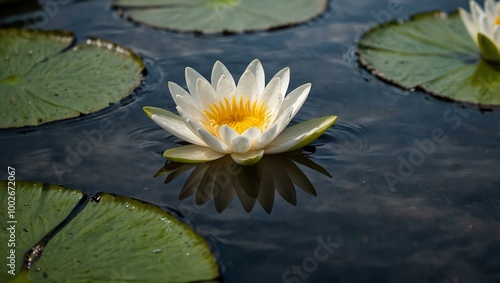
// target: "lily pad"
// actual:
[[216, 16], [432, 52], [42, 80], [38, 208], [106, 239]]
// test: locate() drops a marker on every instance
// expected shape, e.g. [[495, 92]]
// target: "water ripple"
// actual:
[[151, 139], [351, 136]]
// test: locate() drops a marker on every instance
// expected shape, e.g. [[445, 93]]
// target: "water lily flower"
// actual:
[[246, 120], [484, 28]]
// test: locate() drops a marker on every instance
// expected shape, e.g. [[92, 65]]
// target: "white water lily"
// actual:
[[246, 120], [484, 27]]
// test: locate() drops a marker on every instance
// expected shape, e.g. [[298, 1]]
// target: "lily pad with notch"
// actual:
[[433, 52], [216, 16], [106, 238], [44, 79], [32, 210]]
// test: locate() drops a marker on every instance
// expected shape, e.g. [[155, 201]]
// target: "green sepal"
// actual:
[[488, 48]]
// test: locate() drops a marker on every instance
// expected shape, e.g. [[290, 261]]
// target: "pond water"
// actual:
[[438, 221]]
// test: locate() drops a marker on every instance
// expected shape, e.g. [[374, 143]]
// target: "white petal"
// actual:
[[273, 98], [476, 11], [227, 134], [468, 23], [271, 133], [206, 93], [296, 98], [258, 71], [218, 71], [287, 117], [300, 135], [195, 126], [484, 25], [247, 87], [240, 144], [174, 124], [272, 93], [192, 154], [252, 134], [489, 10], [189, 108], [284, 76], [175, 90], [285, 146], [225, 88], [497, 8], [192, 123], [213, 142], [192, 77], [247, 158]]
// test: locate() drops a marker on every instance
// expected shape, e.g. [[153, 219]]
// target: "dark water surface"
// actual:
[[439, 221]]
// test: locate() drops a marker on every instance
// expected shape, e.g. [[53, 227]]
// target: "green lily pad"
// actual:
[[111, 239], [216, 16], [45, 206], [432, 52], [41, 81]]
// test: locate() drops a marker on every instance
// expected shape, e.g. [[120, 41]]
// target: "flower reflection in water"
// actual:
[[223, 178]]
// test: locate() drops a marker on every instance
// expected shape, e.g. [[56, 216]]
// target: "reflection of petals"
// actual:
[[266, 196], [223, 196], [247, 178], [282, 182], [297, 176], [304, 160], [246, 201], [178, 172], [223, 178], [192, 183], [208, 183]]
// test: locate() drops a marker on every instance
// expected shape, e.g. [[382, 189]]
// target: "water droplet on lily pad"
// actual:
[[431, 52], [216, 16]]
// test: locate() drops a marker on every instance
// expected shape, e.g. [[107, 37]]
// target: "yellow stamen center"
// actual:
[[238, 114], [497, 20]]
